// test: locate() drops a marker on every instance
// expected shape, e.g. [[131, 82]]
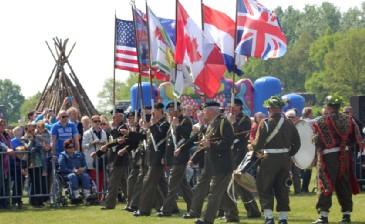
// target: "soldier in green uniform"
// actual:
[[155, 160], [241, 127], [335, 132], [177, 156], [276, 140], [217, 164]]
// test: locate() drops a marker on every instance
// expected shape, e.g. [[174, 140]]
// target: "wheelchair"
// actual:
[[63, 193]]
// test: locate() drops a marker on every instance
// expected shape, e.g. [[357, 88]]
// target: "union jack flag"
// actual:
[[258, 31]]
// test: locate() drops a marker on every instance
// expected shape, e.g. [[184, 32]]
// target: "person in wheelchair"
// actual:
[[73, 168]]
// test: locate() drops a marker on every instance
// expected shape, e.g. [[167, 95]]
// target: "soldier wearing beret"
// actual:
[[155, 154], [334, 133], [217, 170], [276, 140], [177, 156]]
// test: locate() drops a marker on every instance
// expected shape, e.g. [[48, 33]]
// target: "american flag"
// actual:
[[125, 52], [259, 32]]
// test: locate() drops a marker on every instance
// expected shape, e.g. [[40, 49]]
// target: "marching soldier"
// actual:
[[217, 171], [117, 160], [241, 127], [155, 159], [335, 132], [276, 140], [139, 163], [177, 155], [134, 157]]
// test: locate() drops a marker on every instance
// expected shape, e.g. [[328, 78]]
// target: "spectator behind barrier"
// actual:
[[63, 130], [73, 168]]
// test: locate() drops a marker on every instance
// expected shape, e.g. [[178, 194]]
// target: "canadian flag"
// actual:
[[198, 52]]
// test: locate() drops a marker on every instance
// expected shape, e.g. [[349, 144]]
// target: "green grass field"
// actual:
[[302, 206]]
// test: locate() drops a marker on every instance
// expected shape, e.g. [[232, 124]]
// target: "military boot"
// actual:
[[321, 220], [346, 219], [252, 210]]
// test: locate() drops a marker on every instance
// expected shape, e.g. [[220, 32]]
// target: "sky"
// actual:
[[26, 25]]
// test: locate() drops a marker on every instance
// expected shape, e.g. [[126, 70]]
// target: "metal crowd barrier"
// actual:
[[19, 179]]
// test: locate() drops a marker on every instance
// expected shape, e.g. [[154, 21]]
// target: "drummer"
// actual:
[[276, 140]]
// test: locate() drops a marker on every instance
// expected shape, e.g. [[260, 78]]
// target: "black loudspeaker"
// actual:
[[358, 107]]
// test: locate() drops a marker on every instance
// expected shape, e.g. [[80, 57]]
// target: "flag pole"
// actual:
[[234, 59], [139, 85], [114, 58], [149, 55], [176, 66], [202, 18]]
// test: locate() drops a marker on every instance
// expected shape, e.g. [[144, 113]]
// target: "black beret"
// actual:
[[211, 104], [132, 113], [238, 102], [117, 110], [158, 106], [172, 105]]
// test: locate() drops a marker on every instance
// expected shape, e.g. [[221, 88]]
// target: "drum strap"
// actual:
[[275, 131]]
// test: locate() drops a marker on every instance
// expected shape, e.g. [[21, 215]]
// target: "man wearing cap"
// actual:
[[177, 156], [276, 140], [218, 167], [241, 127], [157, 135], [335, 132], [118, 159], [140, 162]]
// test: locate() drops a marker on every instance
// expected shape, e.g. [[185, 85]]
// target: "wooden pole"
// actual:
[[234, 58], [139, 85], [149, 57]]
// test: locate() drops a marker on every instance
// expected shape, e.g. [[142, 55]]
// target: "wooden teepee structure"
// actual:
[[61, 84]]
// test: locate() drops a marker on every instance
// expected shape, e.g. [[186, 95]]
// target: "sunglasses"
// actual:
[[66, 116], [96, 121]]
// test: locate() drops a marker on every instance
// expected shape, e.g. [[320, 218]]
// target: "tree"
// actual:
[[339, 60], [29, 104], [344, 66], [12, 99], [122, 91]]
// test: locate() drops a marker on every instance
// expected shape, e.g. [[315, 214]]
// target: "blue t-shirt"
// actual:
[[62, 134], [15, 142]]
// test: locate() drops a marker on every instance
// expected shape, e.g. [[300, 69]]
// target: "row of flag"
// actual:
[[181, 52]]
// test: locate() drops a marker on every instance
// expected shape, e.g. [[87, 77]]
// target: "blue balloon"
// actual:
[[295, 101], [146, 93], [264, 88]]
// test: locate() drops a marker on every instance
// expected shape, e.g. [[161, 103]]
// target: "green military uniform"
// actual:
[[177, 178], [242, 127], [119, 168], [217, 169], [334, 134], [155, 174], [273, 171], [133, 182]]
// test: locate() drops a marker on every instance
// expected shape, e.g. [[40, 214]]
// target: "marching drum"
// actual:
[[304, 158], [245, 174]]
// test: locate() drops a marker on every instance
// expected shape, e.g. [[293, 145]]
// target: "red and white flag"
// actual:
[[199, 53]]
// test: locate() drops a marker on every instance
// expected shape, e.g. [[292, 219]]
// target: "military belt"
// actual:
[[275, 151], [332, 150]]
